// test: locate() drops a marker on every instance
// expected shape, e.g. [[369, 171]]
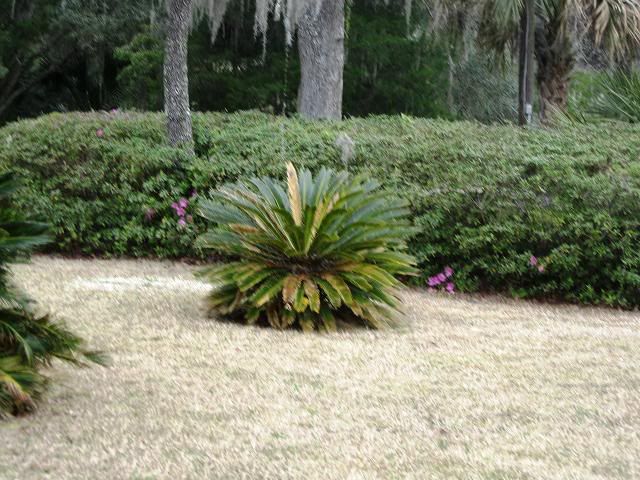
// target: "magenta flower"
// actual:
[[533, 261], [450, 287], [183, 202], [100, 133], [433, 281], [448, 272], [441, 277]]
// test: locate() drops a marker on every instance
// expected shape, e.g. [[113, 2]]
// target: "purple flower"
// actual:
[[182, 222], [450, 287], [433, 281], [448, 272], [100, 133], [180, 211], [533, 261], [183, 202], [441, 277]]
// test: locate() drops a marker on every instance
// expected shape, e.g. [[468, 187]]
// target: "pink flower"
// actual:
[[175, 206], [450, 287], [533, 261], [541, 268], [100, 133], [180, 211], [183, 202], [448, 272], [114, 111], [433, 281], [441, 277], [182, 222]]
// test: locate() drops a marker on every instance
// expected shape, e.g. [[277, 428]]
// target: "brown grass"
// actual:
[[469, 388]]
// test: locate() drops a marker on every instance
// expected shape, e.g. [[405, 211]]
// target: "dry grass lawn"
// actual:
[[473, 388]]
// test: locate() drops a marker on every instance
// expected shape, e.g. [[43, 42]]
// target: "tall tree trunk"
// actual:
[[526, 63], [321, 50], [176, 79], [556, 58]]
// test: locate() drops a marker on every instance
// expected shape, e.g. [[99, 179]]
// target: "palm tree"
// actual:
[[560, 24]]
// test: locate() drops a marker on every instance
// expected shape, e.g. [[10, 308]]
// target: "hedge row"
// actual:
[[485, 198]]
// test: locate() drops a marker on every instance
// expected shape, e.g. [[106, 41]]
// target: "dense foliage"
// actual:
[[320, 252], [619, 96], [484, 198], [92, 54], [27, 342], [57, 55]]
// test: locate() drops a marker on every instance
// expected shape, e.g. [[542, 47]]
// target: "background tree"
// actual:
[[56, 52], [321, 50], [560, 24], [176, 78]]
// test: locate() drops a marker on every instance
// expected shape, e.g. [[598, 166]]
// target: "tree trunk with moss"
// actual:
[[321, 51], [556, 58], [176, 79]]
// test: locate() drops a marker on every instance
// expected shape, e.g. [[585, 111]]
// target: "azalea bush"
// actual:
[[27, 342], [316, 253], [484, 198]]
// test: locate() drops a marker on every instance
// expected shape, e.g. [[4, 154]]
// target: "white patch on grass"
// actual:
[[122, 284]]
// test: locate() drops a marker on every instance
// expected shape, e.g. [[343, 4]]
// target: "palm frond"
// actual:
[[321, 251], [27, 341]]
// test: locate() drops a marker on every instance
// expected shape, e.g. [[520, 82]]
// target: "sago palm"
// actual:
[[315, 253], [27, 342]]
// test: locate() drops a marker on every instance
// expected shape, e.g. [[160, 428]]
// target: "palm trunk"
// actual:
[[321, 50], [554, 89], [176, 79], [556, 59]]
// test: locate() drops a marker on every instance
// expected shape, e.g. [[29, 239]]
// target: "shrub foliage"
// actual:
[[27, 342], [320, 252], [485, 199]]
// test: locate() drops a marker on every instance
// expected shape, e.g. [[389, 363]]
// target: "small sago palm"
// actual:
[[27, 342], [315, 254]]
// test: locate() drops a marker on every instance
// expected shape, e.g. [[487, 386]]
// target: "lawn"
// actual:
[[467, 387]]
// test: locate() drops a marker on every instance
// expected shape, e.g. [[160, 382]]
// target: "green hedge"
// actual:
[[486, 198]]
